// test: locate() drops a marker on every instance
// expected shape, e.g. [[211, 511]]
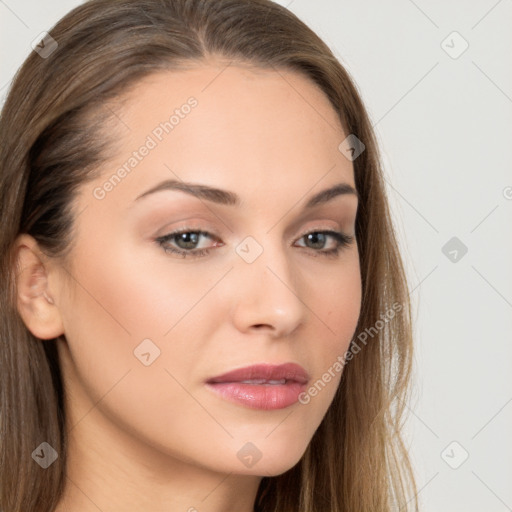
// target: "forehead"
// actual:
[[232, 126]]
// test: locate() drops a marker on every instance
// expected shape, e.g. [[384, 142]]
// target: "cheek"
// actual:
[[337, 302], [128, 304], [341, 300]]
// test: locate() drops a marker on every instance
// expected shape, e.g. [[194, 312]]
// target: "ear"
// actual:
[[36, 303]]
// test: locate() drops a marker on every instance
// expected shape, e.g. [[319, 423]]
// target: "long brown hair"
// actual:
[[52, 138]]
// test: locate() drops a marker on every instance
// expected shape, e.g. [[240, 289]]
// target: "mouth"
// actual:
[[262, 386]]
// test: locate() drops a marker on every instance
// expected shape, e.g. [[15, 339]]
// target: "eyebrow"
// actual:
[[225, 197]]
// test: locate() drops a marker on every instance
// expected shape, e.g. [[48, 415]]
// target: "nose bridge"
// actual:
[[269, 288]]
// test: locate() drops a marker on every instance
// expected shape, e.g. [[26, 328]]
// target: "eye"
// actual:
[[186, 239], [317, 238]]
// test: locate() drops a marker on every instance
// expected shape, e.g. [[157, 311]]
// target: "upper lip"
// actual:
[[287, 371]]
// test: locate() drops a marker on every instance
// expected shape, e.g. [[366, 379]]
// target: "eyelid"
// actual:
[[322, 229]]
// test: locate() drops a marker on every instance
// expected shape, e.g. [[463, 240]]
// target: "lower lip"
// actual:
[[260, 396]]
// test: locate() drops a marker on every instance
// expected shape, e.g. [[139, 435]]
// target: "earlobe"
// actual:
[[35, 301]]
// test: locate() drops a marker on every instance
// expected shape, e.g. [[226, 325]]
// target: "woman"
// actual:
[[204, 307]]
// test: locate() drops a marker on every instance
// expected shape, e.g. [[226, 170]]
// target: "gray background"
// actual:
[[444, 124]]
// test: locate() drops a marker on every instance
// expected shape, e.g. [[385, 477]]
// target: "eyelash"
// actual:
[[343, 240]]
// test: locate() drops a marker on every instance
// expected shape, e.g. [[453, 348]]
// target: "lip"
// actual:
[[259, 387]]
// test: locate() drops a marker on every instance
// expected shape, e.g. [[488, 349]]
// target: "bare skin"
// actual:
[[155, 437]]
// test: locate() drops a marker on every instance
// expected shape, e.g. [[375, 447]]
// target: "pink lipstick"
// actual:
[[262, 386]]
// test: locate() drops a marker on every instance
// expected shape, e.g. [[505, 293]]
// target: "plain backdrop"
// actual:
[[436, 78]]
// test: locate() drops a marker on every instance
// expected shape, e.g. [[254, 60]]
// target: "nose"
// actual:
[[268, 294]]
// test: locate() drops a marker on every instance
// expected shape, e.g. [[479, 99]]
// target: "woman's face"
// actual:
[[146, 328]]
